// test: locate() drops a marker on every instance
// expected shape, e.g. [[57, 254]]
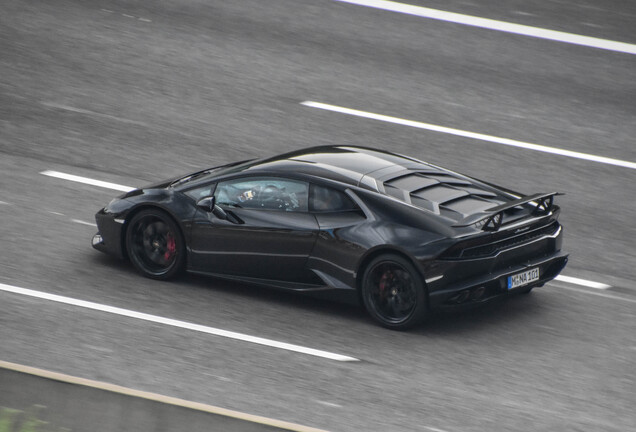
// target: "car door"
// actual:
[[268, 232], [336, 252]]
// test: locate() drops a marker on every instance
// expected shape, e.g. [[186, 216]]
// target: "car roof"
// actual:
[[410, 180], [347, 164]]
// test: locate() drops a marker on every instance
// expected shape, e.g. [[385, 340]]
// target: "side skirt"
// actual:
[[286, 285]]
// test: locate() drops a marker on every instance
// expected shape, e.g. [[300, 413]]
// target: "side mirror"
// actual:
[[206, 204], [209, 206]]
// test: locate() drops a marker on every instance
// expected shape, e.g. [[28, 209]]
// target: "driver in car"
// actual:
[[247, 195], [270, 196]]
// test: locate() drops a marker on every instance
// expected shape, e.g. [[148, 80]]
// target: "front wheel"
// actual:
[[393, 292], [155, 245]]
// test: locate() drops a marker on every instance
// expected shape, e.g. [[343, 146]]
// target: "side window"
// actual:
[[200, 192], [324, 199], [263, 193]]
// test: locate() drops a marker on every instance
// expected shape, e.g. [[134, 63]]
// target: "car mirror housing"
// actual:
[[207, 204]]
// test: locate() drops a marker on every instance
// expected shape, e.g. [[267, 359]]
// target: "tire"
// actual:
[[155, 245], [393, 292]]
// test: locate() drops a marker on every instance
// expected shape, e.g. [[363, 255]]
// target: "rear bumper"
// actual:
[[495, 284]]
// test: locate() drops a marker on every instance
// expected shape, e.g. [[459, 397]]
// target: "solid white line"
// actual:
[[583, 282], [497, 25], [473, 135], [597, 293], [83, 223], [87, 180], [175, 323]]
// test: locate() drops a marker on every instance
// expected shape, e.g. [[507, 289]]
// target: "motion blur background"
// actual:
[[131, 92]]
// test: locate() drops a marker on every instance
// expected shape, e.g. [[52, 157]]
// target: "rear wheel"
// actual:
[[155, 244], [393, 292]]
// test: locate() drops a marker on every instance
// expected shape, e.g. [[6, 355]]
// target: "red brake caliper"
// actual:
[[383, 282], [171, 248]]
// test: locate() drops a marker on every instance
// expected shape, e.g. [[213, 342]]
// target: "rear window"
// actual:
[[324, 199]]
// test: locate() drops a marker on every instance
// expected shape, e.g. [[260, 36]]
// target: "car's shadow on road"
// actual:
[[508, 311], [268, 295], [209, 284], [501, 312], [505, 312]]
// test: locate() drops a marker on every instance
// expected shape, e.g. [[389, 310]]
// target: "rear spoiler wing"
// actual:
[[493, 217]]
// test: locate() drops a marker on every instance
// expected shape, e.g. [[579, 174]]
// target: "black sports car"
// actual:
[[399, 235]]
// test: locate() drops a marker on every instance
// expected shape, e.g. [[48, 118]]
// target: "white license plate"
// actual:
[[523, 278]]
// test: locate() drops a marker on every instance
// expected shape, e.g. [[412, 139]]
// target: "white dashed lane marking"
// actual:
[[87, 180], [127, 16], [603, 294], [81, 222], [432, 429], [583, 282], [176, 323], [63, 107], [472, 135], [329, 404], [501, 26]]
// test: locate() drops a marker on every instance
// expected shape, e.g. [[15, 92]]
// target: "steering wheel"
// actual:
[[272, 197]]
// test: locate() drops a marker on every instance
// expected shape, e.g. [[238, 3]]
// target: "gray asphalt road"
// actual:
[[131, 92]]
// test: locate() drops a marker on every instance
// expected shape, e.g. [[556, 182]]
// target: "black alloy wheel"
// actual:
[[393, 292], [155, 244]]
